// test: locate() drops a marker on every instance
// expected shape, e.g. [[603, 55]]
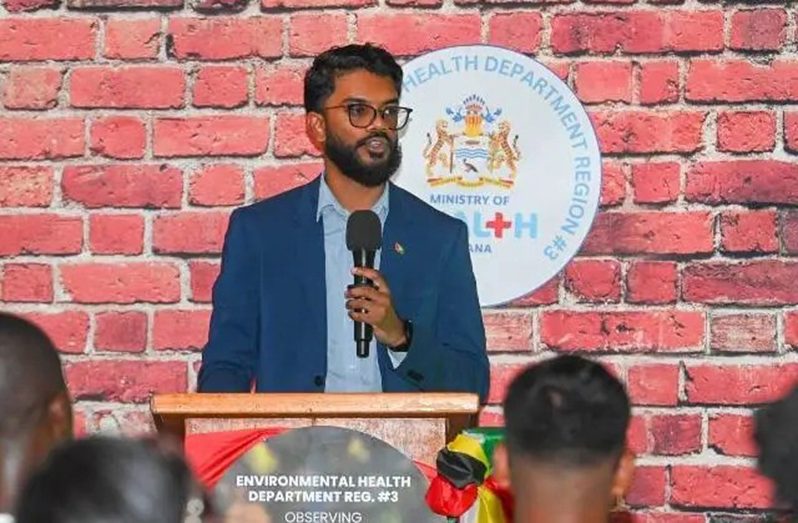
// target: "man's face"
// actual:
[[368, 155]]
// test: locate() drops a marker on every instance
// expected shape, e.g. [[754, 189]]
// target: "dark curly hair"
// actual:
[[776, 435]]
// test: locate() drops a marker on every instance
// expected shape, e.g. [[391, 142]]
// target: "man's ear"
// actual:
[[59, 417], [624, 474], [501, 466], [316, 129]]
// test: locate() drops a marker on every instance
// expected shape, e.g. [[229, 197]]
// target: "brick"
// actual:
[[637, 435], [746, 332], [626, 331], [654, 384], [79, 423], [221, 184], [180, 329], [304, 38], [116, 234], [38, 39], [741, 81], [749, 231], [312, 4], [546, 294], [121, 331], [629, 32], [509, 331], [745, 132], [27, 282], [290, 138], [788, 231], [743, 181], [128, 87], [221, 86], [732, 435], [26, 186], [652, 282], [500, 377], [657, 232], [127, 39], [17, 6], [279, 85], [659, 82], [560, 69], [189, 233], [648, 487], [613, 184], [228, 135], [125, 381], [123, 185], [742, 384], [594, 280], [791, 131], [68, 330], [121, 282], [124, 4], [647, 132], [40, 234], [415, 3], [271, 181], [41, 138], [791, 329], [719, 486], [677, 434], [598, 82], [758, 30], [668, 517], [122, 137], [694, 31], [763, 282], [203, 276], [224, 38], [490, 418], [656, 183], [32, 88], [409, 34], [521, 31]]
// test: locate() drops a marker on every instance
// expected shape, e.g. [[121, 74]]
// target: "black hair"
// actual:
[[567, 410], [103, 479], [30, 374], [320, 78], [776, 435]]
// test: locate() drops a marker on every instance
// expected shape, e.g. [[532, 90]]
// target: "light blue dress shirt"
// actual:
[[345, 371]]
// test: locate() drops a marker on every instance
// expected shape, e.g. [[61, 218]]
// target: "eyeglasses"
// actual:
[[362, 115]]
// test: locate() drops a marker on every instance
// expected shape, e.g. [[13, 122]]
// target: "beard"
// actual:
[[369, 175]]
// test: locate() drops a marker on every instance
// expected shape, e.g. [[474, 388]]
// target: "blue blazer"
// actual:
[[269, 312]]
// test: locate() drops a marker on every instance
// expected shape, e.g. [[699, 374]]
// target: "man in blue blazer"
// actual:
[[282, 313]]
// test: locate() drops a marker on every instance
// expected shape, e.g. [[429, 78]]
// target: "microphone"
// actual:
[[363, 238]]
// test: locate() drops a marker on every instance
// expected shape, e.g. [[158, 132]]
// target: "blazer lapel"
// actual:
[[309, 245]]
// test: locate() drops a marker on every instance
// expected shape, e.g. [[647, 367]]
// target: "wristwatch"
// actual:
[[408, 338]]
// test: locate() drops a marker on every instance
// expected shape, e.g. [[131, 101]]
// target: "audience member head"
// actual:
[[34, 402], [102, 479], [566, 420], [776, 435]]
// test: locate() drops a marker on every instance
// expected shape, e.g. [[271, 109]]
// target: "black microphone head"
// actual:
[[363, 231]]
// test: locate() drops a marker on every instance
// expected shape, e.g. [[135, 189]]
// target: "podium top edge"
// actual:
[[213, 405]]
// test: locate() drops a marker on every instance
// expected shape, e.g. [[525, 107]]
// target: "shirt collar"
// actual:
[[327, 200]]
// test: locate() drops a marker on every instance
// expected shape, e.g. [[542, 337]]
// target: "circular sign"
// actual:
[[499, 141], [323, 474]]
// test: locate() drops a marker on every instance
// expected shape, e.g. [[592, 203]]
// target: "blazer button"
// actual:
[[318, 381]]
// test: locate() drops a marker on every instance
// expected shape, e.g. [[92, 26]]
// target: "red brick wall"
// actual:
[[126, 137]]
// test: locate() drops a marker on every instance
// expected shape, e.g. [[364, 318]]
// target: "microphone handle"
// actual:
[[364, 332]]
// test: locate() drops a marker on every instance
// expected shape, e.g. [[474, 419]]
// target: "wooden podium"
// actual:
[[418, 424]]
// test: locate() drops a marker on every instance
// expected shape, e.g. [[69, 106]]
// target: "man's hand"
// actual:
[[373, 305]]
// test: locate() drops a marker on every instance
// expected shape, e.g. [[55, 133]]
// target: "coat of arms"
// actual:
[[474, 150]]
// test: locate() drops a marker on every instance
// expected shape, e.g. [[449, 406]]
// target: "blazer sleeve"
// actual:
[[230, 356], [449, 353]]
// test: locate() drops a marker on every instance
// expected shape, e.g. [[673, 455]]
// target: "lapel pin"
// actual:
[[398, 248]]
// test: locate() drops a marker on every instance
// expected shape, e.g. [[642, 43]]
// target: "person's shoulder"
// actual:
[[283, 204], [421, 210]]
